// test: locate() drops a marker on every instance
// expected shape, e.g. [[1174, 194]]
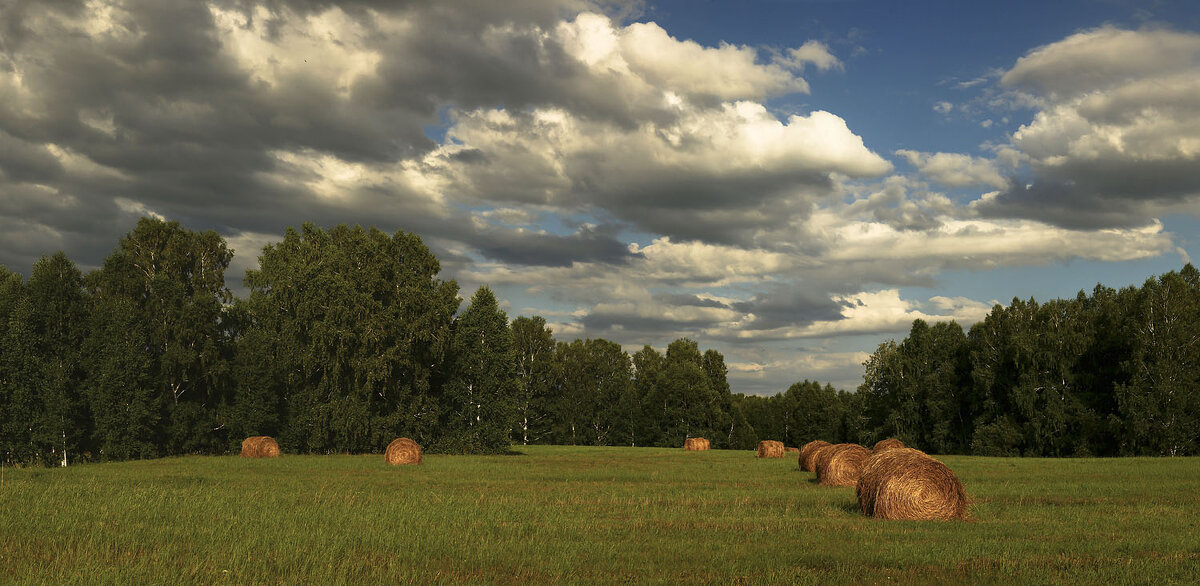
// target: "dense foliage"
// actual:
[[349, 339], [1111, 373]]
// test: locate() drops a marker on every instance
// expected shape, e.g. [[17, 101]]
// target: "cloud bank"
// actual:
[[623, 181]]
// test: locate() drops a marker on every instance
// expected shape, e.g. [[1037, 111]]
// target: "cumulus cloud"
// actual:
[[814, 52], [966, 243], [955, 169], [711, 174], [1116, 137], [867, 312], [767, 371], [618, 178]]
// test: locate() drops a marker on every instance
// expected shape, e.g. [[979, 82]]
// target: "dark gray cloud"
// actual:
[[152, 110], [588, 244], [690, 300], [790, 306], [1090, 195]]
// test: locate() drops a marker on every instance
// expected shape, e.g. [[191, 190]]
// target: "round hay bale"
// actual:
[[250, 447], [695, 444], [908, 484], [887, 444], [808, 454], [402, 451], [791, 450], [260, 446], [770, 449], [841, 464]]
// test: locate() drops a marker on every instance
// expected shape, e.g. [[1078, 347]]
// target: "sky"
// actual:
[[788, 182]]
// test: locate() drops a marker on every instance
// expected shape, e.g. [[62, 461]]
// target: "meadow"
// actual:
[[586, 515]]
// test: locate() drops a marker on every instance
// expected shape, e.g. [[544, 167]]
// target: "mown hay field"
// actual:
[[586, 515]]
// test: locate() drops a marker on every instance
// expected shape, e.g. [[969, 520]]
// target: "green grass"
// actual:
[[586, 515]]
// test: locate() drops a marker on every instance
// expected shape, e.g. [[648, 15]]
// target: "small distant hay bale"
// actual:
[[402, 451], [808, 454], [260, 446], [908, 484], [841, 464], [770, 449], [887, 444], [791, 450], [695, 444]]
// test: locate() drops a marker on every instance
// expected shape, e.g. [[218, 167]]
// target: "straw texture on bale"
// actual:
[[260, 446], [887, 444], [907, 484], [402, 451], [841, 464], [695, 444], [808, 454], [770, 449]]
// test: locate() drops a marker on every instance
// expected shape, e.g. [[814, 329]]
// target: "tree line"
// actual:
[[348, 339], [1116, 372]]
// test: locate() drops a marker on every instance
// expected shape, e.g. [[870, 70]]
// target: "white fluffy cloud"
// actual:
[[955, 169], [328, 47], [1116, 137], [708, 173], [628, 182], [814, 52], [1103, 58], [966, 243]]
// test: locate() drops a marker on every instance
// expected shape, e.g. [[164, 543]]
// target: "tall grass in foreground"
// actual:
[[586, 515]]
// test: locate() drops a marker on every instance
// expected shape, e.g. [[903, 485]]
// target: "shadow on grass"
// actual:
[[851, 508]]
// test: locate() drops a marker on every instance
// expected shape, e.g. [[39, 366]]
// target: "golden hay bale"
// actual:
[[695, 444], [791, 450], [770, 449], [402, 451], [887, 444], [808, 454], [841, 464], [260, 446], [907, 484]]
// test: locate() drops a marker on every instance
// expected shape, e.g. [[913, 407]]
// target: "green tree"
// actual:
[[480, 395], [692, 408], [743, 435], [1102, 367], [649, 414], [12, 292], [58, 322], [722, 422], [811, 412], [1046, 396], [993, 374], [174, 278], [596, 375], [1160, 405], [351, 328], [20, 388], [122, 393], [256, 407], [533, 350]]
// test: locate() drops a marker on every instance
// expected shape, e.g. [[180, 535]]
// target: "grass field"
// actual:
[[586, 515]]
